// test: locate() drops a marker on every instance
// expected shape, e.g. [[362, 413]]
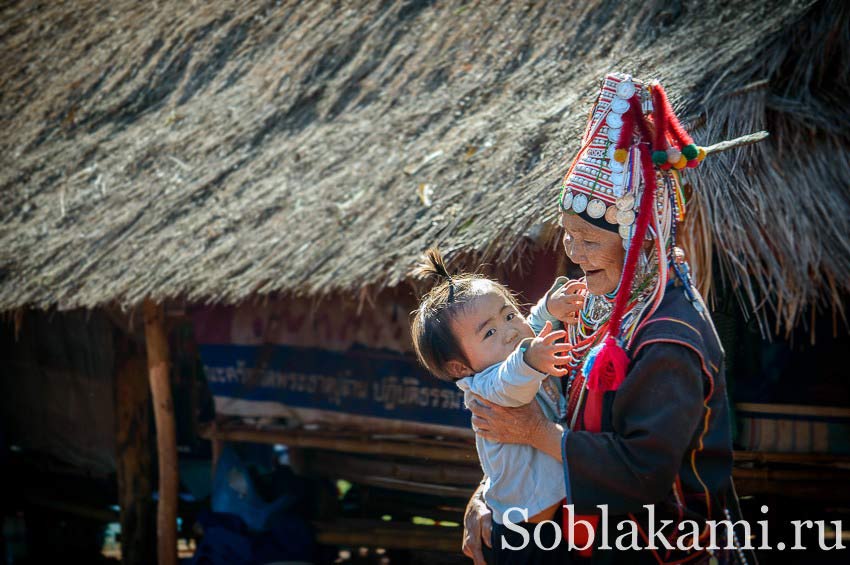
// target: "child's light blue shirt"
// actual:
[[519, 475]]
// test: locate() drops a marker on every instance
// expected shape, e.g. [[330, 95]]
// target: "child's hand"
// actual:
[[542, 353], [566, 302]]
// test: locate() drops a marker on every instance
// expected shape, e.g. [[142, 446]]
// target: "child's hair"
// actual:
[[433, 340]]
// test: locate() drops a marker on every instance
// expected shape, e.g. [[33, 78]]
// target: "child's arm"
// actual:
[[516, 380], [510, 383]]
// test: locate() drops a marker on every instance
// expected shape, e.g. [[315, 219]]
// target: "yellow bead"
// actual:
[[701, 154], [620, 155], [681, 163]]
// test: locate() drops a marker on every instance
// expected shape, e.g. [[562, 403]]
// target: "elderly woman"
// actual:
[[645, 433]]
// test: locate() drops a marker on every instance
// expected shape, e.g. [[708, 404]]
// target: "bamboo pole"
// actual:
[[299, 438], [156, 341], [748, 139]]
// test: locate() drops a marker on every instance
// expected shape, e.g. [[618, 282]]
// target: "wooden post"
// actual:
[[217, 447], [134, 463], [156, 340]]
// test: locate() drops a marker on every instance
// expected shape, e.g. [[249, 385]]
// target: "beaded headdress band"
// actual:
[[603, 184]]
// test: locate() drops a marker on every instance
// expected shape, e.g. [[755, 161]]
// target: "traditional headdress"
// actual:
[[626, 178]]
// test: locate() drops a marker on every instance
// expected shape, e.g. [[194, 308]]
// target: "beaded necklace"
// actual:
[[592, 328], [586, 334]]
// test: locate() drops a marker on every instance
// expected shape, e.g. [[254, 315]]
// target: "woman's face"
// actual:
[[598, 252]]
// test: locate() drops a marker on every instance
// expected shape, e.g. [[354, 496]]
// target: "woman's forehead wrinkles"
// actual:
[[577, 225]]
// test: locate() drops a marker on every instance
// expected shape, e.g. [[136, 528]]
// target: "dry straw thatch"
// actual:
[[217, 151]]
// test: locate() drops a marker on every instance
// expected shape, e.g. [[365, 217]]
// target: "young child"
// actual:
[[468, 330]]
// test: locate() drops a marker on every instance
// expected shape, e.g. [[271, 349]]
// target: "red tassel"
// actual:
[[659, 118], [659, 98], [592, 414], [627, 131], [609, 367], [639, 122], [608, 372]]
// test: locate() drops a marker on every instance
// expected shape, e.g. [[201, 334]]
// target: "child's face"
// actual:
[[489, 328]]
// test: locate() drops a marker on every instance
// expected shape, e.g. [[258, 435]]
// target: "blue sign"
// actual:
[[360, 381]]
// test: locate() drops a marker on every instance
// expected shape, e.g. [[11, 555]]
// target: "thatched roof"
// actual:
[[213, 152]]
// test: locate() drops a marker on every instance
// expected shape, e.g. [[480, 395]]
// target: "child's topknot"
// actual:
[[433, 266], [433, 339]]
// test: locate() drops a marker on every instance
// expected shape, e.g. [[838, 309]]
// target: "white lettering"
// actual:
[[571, 530], [730, 534], [537, 539], [632, 533], [603, 526], [693, 535], [798, 526], [652, 534], [763, 525], [514, 528], [822, 535]]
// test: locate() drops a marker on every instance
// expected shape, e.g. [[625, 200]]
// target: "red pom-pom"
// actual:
[[608, 371], [693, 163], [609, 367], [666, 166]]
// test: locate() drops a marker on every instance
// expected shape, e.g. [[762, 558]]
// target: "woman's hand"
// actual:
[[522, 424], [477, 526]]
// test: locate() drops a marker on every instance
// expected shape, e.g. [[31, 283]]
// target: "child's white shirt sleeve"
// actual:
[[510, 383]]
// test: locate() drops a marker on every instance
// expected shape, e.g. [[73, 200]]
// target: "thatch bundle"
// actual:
[[213, 152]]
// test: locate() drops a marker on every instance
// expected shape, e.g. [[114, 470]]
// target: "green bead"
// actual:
[[659, 157], [690, 151]]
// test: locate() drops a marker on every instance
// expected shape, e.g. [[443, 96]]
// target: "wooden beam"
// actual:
[[831, 493], [329, 464], [408, 486], [462, 453], [156, 340], [134, 463], [792, 474], [76, 509], [389, 535], [820, 459]]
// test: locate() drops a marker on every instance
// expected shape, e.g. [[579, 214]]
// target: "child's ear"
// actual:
[[457, 370]]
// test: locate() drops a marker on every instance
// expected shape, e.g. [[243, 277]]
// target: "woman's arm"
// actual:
[[655, 415], [525, 424], [477, 526]]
